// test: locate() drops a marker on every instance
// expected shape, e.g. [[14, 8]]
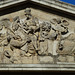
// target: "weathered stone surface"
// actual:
[[43, 48], [70, 59], [68, 47], [50, 47], [29, 38], [16, 56], [62, 58], [24, 60], [35, 60], [46, 59]]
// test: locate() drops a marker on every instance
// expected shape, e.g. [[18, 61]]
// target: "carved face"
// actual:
[[45, 29], [65, 22], [15, 27], [55, 21], [28, 13]]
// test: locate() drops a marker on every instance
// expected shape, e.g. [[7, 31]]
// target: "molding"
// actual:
[[38, 67], [9, 3], [59, 5]]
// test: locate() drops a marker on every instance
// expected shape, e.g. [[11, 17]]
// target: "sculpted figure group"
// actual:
[[33, 38]]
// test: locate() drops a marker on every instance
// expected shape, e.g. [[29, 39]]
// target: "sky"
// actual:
[[69, 1]]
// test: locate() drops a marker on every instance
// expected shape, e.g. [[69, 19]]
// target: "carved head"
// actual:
[[46, 26], [28, 13], [45, 29], [15, 27], [65, 22], [55, 21]]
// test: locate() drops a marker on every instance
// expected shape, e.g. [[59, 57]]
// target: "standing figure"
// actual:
[[31, 26], [45, 29]]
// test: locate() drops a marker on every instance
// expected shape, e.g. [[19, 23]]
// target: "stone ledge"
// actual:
[[54, 67]]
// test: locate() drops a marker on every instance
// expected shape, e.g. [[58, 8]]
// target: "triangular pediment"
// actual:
[[37, 34]]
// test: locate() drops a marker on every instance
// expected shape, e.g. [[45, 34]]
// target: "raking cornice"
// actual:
[[56, 4]]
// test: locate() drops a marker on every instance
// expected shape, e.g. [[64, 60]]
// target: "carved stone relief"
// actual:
[[28, 40]]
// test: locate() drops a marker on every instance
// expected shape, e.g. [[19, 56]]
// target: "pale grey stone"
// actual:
[[46, 59]]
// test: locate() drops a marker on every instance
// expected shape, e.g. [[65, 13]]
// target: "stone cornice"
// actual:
[[51, 3], [9, 3], [57, 5]]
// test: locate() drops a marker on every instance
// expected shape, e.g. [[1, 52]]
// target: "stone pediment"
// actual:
[[36, 37]]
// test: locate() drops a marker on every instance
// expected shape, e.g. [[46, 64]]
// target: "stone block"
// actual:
[[70, 58], [62, 58], [35, 60], [46, 59]]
